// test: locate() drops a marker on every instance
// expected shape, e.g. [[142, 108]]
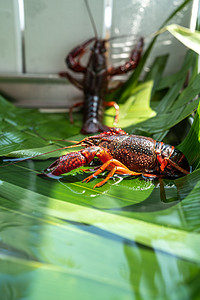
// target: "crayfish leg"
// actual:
[[165, 161], [111, 173], [74, 81], [71, 110], [117, 170], [178, 167], [114, 166], [116, 107], [150, 175]]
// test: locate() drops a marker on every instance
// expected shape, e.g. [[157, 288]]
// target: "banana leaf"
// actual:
[[189, 38], [129, 239], [62, 237]]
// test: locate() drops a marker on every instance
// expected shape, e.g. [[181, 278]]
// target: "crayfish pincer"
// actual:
[[121, 153]]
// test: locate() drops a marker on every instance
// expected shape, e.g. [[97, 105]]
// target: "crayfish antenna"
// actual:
[[38, 155], [91, 19]]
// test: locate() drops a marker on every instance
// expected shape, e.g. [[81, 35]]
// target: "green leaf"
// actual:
[[129, 239], [137, 107], [189, 38], [56, 233], [37, 131], [191, 145]]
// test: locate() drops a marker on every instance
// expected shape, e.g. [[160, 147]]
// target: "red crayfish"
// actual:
[[96, 76], [122, 153]]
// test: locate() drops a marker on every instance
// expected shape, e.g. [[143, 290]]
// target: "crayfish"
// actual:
[[96, 76], [124, 154]]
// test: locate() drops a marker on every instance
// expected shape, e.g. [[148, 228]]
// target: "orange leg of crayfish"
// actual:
[[116, 107], [177, 166], [114, 166], [166, 160]]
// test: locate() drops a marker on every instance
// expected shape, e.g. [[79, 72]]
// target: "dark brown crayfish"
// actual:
[[96, 77]]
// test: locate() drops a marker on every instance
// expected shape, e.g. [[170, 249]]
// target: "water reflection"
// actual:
[[74, 190]]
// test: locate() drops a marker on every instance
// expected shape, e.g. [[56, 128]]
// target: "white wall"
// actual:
[[54, 27]]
